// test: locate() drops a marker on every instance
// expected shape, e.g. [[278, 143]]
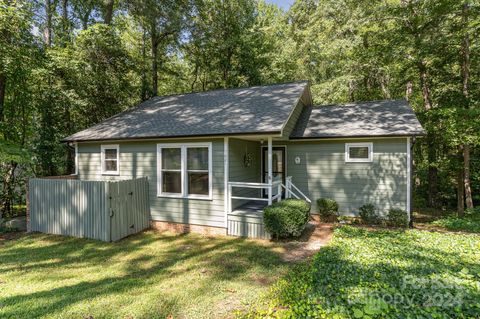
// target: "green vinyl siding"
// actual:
[[139, 159], [323, 172], [238, 172]]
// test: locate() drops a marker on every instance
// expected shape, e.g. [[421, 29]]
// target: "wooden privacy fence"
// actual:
[[104, 210]]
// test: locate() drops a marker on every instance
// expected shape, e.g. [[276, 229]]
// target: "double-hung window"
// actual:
[[184, 170], [358, 152], [171, 173], [110, 159]]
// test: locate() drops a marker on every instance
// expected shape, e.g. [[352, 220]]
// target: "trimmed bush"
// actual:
[[286, 218], [398, 217], [327, 208], [369, 214]]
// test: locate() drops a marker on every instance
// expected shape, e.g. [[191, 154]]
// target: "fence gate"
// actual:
[[104, 210], [128, 208]]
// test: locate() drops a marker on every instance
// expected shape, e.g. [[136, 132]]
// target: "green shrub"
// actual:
[[369, 214], [327, 208], [398, 217], [286, 218], [473, 211]]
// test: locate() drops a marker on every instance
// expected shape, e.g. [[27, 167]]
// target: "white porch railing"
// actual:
[[269, 187], [290, 191]]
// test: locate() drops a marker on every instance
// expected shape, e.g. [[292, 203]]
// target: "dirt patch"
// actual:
[[4, 237], [262, 280], [315, 236]]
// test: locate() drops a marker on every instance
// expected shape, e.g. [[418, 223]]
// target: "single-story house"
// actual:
[[214, 159]]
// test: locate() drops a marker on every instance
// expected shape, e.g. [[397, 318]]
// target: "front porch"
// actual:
[[256, 178], [246, 219]]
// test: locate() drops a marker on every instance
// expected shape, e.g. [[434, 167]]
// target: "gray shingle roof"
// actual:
[[364, 119], [253, 110]]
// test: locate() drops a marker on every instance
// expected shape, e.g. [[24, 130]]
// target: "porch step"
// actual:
[[247, 221]]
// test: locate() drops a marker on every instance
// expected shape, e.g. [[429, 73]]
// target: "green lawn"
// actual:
[[382, 274], [149, 275], [360, 274]]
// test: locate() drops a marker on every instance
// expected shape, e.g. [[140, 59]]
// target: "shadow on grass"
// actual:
[[138, 261]]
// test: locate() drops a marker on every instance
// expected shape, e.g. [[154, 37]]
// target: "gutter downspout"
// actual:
[[410, 170]]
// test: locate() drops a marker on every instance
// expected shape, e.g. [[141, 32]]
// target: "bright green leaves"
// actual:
[[11, 152]]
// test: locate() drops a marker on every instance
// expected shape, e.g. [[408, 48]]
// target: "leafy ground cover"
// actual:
[[447, 220], [148, 275], [382, 274], [469, 223]]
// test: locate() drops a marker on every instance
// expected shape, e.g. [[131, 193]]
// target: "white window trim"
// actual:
[[359, 160], [183, 169], [102, 160]]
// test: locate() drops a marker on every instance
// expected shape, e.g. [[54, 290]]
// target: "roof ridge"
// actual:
[[358, 103], [227, 89]]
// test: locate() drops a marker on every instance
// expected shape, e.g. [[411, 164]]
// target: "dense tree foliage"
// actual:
[[67, 64]]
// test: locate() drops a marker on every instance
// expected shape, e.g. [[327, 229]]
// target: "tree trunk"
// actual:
[[69, 158], [65, 24], [65, 11], [465, 54], [460, 194], [3, 86], [422, 69], [195, 78], [384, 86], [408, 90], [465, 91], [85, 19], [154, 60], [351, 91], [8, 181], [48, 28], [107, 19], [144, 71], [432, 151], [432, 172], [466, 176]]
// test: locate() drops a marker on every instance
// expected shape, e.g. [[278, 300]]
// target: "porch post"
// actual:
[[270, 173]]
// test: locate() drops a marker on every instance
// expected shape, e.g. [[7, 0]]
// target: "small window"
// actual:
[[110, 159], [358, 152], [184, 170]]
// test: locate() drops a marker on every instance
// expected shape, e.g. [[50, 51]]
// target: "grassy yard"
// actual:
[[149, 275], [361, 274], [382, 274]]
